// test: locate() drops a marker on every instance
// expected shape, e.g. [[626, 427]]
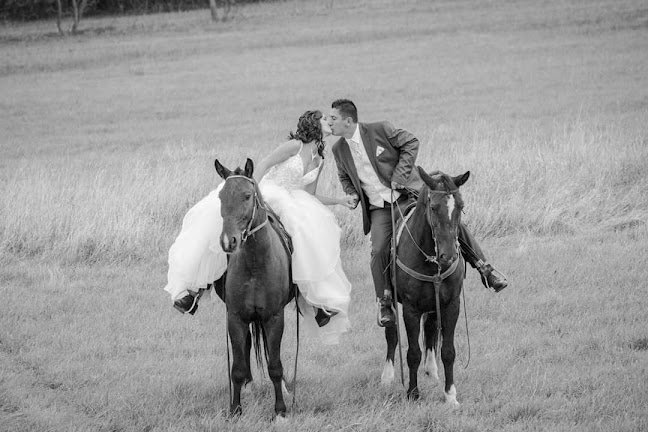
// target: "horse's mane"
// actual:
[[444, 182], [448, 184]]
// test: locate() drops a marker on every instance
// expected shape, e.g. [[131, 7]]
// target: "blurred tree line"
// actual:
[[29, 10]]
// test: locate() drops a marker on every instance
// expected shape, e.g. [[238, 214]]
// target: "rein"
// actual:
[[395, 285], [249, 230]]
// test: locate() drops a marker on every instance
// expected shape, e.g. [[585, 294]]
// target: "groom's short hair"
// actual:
[[347, 108]]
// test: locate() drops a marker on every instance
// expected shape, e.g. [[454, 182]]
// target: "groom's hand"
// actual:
[[397, 186], [352, 201]]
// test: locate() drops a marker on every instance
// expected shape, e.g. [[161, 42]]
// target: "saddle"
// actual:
[[286, 240], [279, 228]]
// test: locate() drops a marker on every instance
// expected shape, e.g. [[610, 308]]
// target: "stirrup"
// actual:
[[194, 305]]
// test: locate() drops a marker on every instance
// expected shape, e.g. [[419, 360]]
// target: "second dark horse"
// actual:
[[429, 278], [258, 283]]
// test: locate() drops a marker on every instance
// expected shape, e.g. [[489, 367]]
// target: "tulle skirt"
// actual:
[[196, 258]]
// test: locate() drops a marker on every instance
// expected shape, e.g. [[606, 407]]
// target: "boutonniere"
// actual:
[[379, 150]]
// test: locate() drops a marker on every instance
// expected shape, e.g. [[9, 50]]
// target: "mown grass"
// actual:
[[557, 352], [110, 137]]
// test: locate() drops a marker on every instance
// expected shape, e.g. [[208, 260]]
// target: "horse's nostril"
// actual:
[[229, 244], [226, 243], [445, 258]]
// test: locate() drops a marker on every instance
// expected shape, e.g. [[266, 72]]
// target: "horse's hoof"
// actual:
[[413, 395], [451, 398], [280, 419], [284, 390], [248, 386], [453, 405], [432, 375]]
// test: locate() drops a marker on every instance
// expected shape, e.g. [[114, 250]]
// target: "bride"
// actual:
[[288, 179]]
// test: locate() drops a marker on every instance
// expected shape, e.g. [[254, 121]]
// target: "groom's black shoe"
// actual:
[[187, 304], [323, 316], [492, 278], [386, 317]]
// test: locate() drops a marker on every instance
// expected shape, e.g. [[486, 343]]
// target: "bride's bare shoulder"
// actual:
[[289, 148]]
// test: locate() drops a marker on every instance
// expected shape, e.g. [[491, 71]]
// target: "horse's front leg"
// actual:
[[239, 331], [430, 334], [449, 318], [412, 320], [391, 336], [274, 328]]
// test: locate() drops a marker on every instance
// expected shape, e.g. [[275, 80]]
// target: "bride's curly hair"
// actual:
[[309, 129]]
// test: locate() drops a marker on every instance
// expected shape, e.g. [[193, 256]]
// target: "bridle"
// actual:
[[249, 230], [433, 259]]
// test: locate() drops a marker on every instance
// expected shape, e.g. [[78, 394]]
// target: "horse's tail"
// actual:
[[258, 333], [438, 337]]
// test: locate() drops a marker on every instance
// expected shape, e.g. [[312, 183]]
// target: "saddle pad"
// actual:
[[276, 224]]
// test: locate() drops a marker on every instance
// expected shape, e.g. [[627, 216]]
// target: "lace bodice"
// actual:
[[290, 173]]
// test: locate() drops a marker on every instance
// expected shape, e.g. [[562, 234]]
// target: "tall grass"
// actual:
[[101, 210], [575, 178]]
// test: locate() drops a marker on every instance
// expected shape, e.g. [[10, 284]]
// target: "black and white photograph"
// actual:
[[323, 215]]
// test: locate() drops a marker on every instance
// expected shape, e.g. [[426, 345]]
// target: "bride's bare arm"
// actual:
[[278, 155], [330, 200], [326, 200]]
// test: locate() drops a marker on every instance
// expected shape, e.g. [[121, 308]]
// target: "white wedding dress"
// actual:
[[196, 258]]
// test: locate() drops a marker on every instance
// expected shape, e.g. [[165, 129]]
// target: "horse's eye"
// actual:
[[248, 196]]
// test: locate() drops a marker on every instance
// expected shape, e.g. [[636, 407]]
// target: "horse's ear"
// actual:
[[426, 177], [461, 179], [221, 170], [249, 168]]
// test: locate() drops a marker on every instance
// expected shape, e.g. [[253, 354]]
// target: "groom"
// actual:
[[373, 159]]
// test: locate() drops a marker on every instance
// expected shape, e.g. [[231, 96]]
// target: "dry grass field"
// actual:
[[110, 136]]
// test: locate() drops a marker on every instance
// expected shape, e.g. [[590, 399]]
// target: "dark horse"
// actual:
[[428, 276], [258, 283]]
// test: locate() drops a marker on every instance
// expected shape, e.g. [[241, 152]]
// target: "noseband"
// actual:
[[249, 230]]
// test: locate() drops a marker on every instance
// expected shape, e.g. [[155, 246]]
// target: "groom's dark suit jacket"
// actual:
[[392, 153]]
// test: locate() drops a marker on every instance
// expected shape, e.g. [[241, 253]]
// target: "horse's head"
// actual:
[[442, 200], [239, 204]]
